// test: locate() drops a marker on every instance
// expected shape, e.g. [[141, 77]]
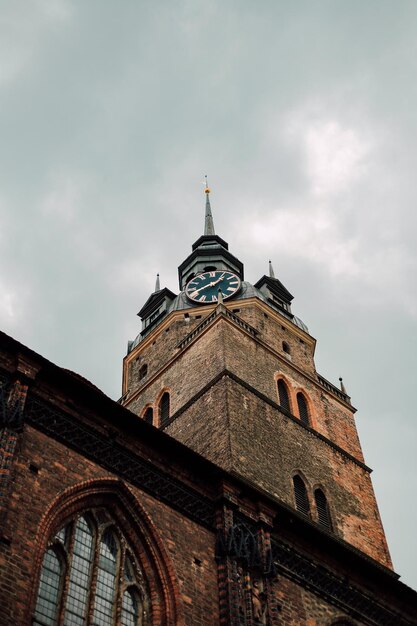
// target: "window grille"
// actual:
[[164, 409], [284, 399], [88, 554], [49, 589], [300, 494], [303, 409], [148, 416], [323, 515]]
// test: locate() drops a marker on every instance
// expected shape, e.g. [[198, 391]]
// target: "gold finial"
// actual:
[[207, 189]]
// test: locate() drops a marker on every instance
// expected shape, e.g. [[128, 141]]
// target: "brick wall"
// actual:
[[188, 547]]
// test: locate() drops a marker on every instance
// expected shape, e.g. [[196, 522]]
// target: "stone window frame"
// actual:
[[135, 524], [101, 525]]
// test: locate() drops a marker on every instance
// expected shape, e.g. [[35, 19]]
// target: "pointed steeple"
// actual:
[[157, 284], [208, 222], [209, 252], [271, 270]]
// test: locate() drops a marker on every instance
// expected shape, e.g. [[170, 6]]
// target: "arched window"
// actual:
[[300, 495], [164, 409], [323, 515], [94, 557], [148, 415], [303, 409], [283, 396]]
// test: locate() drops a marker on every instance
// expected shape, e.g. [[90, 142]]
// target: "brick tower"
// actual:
[[226, 368]]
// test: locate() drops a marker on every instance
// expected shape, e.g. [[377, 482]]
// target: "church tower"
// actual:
[[227, 487], [226, 368]]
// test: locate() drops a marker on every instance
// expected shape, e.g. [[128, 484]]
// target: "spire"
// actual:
[[157, 284], [271, 270], [208, 223]]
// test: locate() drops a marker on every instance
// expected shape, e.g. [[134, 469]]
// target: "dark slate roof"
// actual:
[[154, 299]]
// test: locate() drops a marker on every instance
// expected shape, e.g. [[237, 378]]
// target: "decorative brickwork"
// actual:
[[117, 459]]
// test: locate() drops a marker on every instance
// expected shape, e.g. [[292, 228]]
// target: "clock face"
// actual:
[[204, 288]]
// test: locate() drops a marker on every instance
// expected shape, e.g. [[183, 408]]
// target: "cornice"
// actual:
[[225, 373], [215, 313], [114, 457]]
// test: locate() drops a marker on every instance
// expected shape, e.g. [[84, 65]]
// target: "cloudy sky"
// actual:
[[303, 115]]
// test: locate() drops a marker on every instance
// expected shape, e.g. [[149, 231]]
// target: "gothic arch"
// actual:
[[134, 523], [145, 412], [310, 406], [156, 413], [281, 377], [301, 493], [325, 516]]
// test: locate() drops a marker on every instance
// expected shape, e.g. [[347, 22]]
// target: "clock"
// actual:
[[204, 288]]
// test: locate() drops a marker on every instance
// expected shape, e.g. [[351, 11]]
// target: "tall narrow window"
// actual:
[[303, 409], [49, 590], [284, 399], [300, 495], [164, 409], [106, 580], [80, 573], [323, 515], [148, 416], [92, 578]]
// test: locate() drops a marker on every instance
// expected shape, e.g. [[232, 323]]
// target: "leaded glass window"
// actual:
[[106, 580], [80, 574], [49, 589], [129, 608], [89, 577]]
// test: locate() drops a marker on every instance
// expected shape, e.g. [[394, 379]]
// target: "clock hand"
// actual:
[[201, 288], [218, 280]]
